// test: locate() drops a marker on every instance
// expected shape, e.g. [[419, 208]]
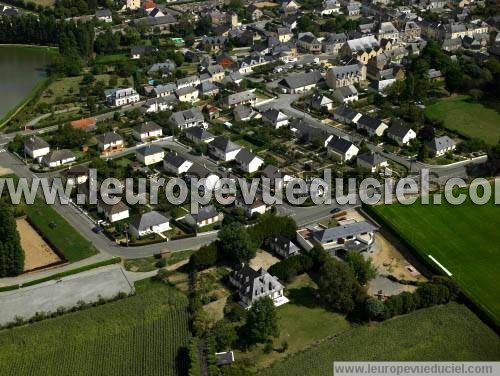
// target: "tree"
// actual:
[[224, 334], [262, 321], [11, 252], [204, 258], [374, 309], [235, 243], [362, 267], [338, 286]]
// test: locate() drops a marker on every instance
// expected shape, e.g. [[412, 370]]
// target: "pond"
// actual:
[[20, 69]]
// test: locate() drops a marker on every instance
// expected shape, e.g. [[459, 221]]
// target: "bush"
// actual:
[[204, 258], [289, 268], [161, 263], [374, 309]]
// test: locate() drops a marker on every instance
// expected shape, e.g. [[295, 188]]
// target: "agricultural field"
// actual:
[[463, 238], [140, 335], [471, 119], [446, 332]]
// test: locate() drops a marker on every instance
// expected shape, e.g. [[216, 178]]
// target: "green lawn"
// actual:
[[110, 59], [440, 333], [467, 118], [60, 233], [139, 335], [465, 239]]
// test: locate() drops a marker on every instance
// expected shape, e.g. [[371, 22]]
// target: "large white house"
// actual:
[[147, 131], [150, 154], [248, 161], [113, 212], [342, 149], [121, 97], [36, 148]]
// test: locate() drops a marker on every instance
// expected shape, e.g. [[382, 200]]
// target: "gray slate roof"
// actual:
[[36, 143], [149, 150], [224, 144], [351, 229], [145, 221]]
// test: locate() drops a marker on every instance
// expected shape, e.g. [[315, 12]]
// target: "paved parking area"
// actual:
[[66, 292]]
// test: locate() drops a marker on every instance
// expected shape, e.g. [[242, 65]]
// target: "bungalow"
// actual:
[[120, 97], [36, 148], [282, 245], [371, 161], [344, 236], [148, 223], [110, 142], [274, 117], [253, 285], [199, 135], [300, 82], [256, 207], [147, 131], [401, 134], [342, 149], [58, 157], [441, 145], [346, 115], [248, 161], [207, 215], [150, 154], [244, 97], [113, 212], [87, 124], [176, 164], [372, 126], [346, 94], [224, 149], [319, 102], [192, 117]]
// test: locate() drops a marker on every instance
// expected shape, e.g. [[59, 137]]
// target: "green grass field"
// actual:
[[448, 332], [465, 239], [467, 118], [140, 335]]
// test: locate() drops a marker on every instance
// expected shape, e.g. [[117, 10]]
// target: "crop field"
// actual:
[[447, 332], [465, 239], [467, 118], [141, 335]]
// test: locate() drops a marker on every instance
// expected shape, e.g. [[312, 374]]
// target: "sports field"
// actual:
[[140, 335], [465, 239], [467, 118], [439, 333]]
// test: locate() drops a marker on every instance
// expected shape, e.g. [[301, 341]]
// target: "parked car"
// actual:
[[334, 210]]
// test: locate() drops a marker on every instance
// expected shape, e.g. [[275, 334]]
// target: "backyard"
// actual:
[[460, 114]]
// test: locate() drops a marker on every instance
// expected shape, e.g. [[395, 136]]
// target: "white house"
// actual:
[[346, 94], [110, 142], [148, 223], [147, 131], [36, 148], [206, 215], [346, 115], [342, 149], [248, 161], [274, 117], [150, 154], [113, 213], [191, 117], [371, 161], [198, 135], [121, 97], [58, 157], [401, 134], [256, 207], [441, 145], [104, 15], [176, 164], [224, 149], [374, 127]]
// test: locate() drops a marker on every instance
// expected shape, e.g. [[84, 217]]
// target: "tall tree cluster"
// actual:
[[11, 252]]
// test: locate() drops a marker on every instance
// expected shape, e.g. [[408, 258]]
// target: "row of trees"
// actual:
[[11, 252]]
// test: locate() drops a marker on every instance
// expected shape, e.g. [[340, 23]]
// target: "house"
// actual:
[[254, 13], [176, 164], [193, 81], [206, 215], [36, 148], [319, 102], [164, 90], [110, 142], [120, 97], [282, 245], [243, 97], [165, 68], [86, 124], [253, 285], [401, 134], [346, 115], [256, 207], [353, 9], [224, 358], [374, 127], [371, 161], [140, 51], [244, 113], [363, 49], [330, 7], [300, 82], [345, 75], [147, 131], [154, 105], [275, 117], [440, 146], [150, 154], [76, 175], [192, 117], [344, 236], [198, 135], [289, 6], [113, 212], [284, 34], [388, 31], [224, 149], [248, 161], [278, 179], [133, 4], [208, 89], [148, 223], [156, 13], [341, 149], [346, 94], [187, 94], [58, 157], [332, 43], [104, 15], [307, 42]]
